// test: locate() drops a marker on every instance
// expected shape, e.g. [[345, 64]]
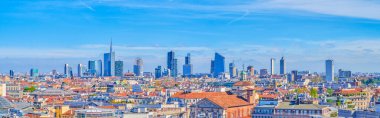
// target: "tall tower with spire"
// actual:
[[109, 62]]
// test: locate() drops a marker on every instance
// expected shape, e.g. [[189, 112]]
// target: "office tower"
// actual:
[[33, 72], [71, 74], [344, 74], [329, 70], [54, 72], [11, 73], [81, 70], [99, 67], [187, 67], [119, 71], [272, 66], [263, 72], [232, 70], [172, 64], [290, 77], [251, 70], [295, 75], [282, 66], [158, 72], [218, 65], [138, 67], [95, 68], [92, 68], [167, 72], [109, 62], [66, 70]]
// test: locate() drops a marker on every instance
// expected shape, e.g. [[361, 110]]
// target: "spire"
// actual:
[[111, 46]]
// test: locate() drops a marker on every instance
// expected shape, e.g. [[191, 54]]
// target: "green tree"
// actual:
[[330, 91], [29, 89], [314, 93]]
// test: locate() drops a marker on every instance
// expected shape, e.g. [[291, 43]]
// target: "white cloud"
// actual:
[[352, 8], [118, 47]]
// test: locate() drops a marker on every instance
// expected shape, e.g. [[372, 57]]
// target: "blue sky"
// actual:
[[48, 34]]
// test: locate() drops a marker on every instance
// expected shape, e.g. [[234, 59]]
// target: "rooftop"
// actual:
[[287, 105], [228, 101], [197, 95]]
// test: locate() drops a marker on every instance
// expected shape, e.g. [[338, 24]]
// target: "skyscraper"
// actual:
[[95, 68], [272, 66], [70, 74], [81, 70], [158, 72], [138, 67], [172, 64], [251, 70], [329, 70], [187, 67], [11, 73], [33, 72], [232, 70], [218, 66], [294, 74], [66, 70], [344, 73], [282, 66], [109, 62], [263, 72], [119, 71]]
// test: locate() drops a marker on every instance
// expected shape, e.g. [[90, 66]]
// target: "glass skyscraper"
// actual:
[[172, 64], [282, 66], [81, 70], [109, 62], [95, 68], [11, 73], [218, 65], [158, 72], [138, 67], [119, 65], [187, 67], [232, 70], [329, 70], [272, 66], [66, 70], [33, 72]]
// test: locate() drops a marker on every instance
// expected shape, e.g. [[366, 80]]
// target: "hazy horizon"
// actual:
[[48, 34]]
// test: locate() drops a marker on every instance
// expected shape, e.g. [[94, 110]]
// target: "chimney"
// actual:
[[250, 97]]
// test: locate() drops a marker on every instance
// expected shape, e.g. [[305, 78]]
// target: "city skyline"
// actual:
[[246, 32]]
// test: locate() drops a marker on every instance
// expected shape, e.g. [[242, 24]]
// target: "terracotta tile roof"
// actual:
[[69, 113], [243, 83], [350, 91], [227, 101], [199, 95]]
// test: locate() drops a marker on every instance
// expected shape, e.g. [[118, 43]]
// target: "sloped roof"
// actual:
[[243, 83], [227, 101], [198, 95]]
